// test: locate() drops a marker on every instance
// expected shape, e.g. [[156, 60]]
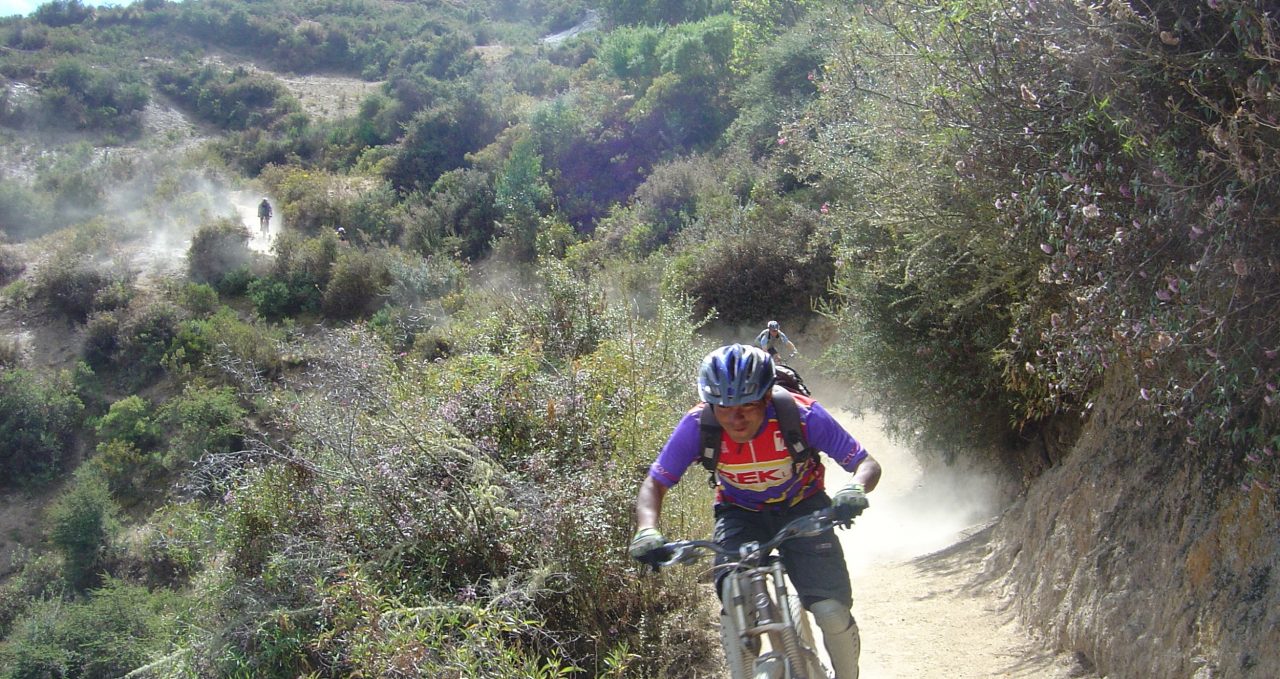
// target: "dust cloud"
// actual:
[[912, 512]]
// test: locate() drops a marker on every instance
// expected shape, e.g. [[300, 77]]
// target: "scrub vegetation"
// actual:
[[412, 450]]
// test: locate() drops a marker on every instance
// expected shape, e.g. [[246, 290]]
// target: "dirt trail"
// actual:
[[913, 560]]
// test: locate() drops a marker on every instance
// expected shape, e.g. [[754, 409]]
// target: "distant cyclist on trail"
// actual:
[[264, 216], [771, 339], [760, 486]]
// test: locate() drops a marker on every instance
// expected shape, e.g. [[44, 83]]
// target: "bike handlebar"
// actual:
[[809, 525]]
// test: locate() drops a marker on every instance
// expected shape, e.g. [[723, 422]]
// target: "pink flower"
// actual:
[[825, 208], [782, 140]]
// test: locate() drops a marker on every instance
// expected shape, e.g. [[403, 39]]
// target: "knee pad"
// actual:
[[839, 635], [831, 616]]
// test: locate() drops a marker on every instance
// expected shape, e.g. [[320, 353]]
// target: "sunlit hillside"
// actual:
[[336, 335]]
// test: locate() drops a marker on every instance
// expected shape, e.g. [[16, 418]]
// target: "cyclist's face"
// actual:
[[741, 422]]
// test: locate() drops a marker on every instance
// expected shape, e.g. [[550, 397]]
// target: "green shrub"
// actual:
[[38, 421], [218, 248], [67, 284], [416, 280], [127, 435], [235, 282], [74, 182], [305, 261], [358, 280], [129, 420], [768, 259], [315, 203], [126, 469], [438, 138], [115, 630], [63, 13], [785, 82], [199, 300], [116, 294], [458, 217], [170, 548], [38, 578], [234, 100], [24, 213], [671, 197], [201, 420], [11, 263], [224, 335], [273, 300], [101, 339], [81, 522], [145, 336], [629, 52], [81, 97]]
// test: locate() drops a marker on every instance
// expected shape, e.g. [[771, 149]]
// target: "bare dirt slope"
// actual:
[[321, 95]]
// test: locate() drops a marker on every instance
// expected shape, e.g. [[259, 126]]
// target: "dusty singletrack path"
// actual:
[[913, 561]]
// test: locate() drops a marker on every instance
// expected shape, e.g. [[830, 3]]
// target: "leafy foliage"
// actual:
[[522, 195], [81, 521], [81, 97], [1022, 266], [458, 218], [217, 249], [117, 629], [234, 100], [358, 282], [766, 259], [38, 420]]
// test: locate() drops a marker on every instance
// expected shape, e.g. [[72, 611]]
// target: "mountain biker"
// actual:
[[264, 216], [758, 491], [772, 338]]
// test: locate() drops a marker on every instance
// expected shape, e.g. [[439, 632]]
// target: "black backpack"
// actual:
[[787, 382]]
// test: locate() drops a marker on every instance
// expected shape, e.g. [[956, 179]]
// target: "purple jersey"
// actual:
[[758, 474]]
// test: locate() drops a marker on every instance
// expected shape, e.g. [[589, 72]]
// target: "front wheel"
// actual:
[[813, 667], [737, 655]]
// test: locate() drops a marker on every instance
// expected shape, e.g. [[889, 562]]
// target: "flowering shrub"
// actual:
[[1045, 223]]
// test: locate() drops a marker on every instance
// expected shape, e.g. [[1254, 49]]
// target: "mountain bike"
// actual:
[[758, 603]]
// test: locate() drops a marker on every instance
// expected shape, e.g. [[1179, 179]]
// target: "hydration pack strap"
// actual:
[[788, 423]]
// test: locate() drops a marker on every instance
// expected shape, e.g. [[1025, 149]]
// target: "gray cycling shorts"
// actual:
[[815, 565]]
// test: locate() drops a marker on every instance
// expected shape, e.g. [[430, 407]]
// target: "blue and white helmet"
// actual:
[[735, 374]]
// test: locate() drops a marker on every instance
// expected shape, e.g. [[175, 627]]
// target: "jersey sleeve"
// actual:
[[681, 450], [825, 433]]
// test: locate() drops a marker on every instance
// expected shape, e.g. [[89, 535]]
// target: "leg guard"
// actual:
[[839, 635]]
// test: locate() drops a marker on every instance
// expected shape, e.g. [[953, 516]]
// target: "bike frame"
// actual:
[[761, 605], [758, 603]]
